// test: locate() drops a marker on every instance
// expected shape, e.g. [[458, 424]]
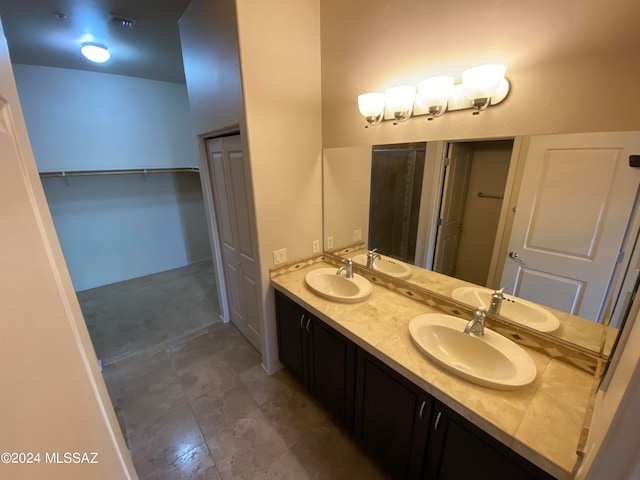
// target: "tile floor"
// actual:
[[135, 315], [205, 409]]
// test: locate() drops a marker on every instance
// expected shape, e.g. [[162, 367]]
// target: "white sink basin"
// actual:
[[386, 265], [513, 308], [327, 284], [491, 361]]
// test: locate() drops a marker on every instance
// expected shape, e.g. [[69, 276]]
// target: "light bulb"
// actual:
[[95, 52], [482, 81], [371, 106], [400, 101], [433, 94]]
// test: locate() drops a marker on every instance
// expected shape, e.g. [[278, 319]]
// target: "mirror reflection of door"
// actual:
[[574, 211], [475, 178], [396, 183], [454, 194]]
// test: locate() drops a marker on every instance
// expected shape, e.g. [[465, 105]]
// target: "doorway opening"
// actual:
[[471, 195]]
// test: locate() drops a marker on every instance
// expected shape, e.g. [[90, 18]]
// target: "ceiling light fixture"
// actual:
[[95, 52]]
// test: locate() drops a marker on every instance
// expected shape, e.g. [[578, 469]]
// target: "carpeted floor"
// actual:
[[151, 312]]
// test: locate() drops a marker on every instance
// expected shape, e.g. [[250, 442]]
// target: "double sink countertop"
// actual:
[[543, 422]]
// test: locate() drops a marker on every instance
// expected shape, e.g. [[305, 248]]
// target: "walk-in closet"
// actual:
[[119, 162]]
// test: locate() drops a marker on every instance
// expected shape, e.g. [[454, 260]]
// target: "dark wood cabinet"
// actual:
[[392, 417], [458, 449], [410, 434], [293, 347], [319, 356], [332, 371]]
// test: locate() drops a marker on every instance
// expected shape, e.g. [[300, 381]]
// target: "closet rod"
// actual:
[[486, 195], [85, 173]]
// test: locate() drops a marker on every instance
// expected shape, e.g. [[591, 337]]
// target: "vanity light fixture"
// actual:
[[371, 107], [481, 84], [481, 87], [95, 52], [433, 95], [400, 101]]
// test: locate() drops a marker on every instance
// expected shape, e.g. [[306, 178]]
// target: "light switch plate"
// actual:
[[357, 235], [279, 256]]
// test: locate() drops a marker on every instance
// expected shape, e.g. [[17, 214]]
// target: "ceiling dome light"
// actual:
[[95, 52]]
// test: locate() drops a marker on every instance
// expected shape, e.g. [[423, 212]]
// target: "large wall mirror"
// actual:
[[552, 219]]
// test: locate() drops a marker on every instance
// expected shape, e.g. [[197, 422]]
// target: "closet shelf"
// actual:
[[85, 173]]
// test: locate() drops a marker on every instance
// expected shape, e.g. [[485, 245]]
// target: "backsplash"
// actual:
[[551, 346]]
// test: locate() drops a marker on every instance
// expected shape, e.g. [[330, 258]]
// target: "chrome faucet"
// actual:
[[347, 268], [476, 324], [496, 302], [372, 256]]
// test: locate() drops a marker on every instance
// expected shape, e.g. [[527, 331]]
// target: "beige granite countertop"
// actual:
[[542, 422], [577, 330]]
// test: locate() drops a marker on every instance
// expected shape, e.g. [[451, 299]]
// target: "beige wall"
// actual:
[[53, 397], [277, 52], [209, 39], [280, 67], [346, 186], [573, 65], [488, 175]]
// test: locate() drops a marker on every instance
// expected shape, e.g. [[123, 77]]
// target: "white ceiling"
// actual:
[[151, 49]]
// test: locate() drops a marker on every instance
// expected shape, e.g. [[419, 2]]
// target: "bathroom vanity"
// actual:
[[416, 419]]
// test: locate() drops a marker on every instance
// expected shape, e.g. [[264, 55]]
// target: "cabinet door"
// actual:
[[459, 449], [392, 417], [332, 376], [292, 321]]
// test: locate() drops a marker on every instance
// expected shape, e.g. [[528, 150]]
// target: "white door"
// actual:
[[575, 203], [227, 170], [454, 194]]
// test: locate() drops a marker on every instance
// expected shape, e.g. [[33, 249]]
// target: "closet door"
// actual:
[[229, 185]]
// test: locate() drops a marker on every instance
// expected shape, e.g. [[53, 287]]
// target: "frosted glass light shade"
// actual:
[[371, 104], [435, 92], [483, 81], [400, 99], [95, 52]]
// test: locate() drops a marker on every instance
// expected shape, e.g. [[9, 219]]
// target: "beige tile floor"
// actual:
[[205, 409], [132, 316]]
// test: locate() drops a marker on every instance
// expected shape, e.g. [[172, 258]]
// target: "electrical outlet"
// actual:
[[315, 246], [357, 235], [279, 256], [329, 242]]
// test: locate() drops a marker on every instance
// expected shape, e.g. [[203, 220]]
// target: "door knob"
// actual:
[[514, 256]]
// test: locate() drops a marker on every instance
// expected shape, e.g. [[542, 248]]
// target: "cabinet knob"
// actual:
[[421, 414], [301, 320], [308, 324]]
